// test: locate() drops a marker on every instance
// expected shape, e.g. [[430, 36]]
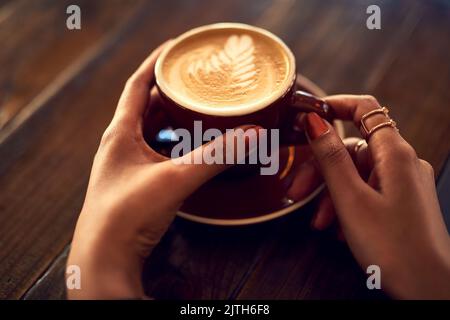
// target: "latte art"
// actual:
[[230, 69], [233, 67]]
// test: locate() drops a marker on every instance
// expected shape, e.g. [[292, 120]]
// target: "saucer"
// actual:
[[249, 197]]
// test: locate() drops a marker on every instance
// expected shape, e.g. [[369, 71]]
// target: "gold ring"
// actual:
[[359, 145], [368, 132]]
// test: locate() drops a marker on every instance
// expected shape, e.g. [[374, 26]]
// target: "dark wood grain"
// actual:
[[51, 285], [38, 179], [416, 88], [37, 47], [45, 161], [303, 264]]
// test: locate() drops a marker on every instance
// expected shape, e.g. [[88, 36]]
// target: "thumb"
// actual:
[[208, 160], [336, 165]]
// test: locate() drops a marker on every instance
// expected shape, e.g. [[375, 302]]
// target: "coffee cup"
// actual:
[[230, 74]]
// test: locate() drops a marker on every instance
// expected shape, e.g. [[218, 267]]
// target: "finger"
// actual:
[[135, 96], [374, 181], [342, 178], [325, 215], [427, 174], [352, 107], [208, 160], [359, 151], [293, 132], [307, 178], [391, 154]]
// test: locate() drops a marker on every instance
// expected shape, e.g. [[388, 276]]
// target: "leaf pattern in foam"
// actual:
[[234, 62]]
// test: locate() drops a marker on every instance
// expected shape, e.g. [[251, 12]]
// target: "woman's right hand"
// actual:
[[389, 215]]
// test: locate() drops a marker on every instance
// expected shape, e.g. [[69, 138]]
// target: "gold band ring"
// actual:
[[359, 145], [368, 132]]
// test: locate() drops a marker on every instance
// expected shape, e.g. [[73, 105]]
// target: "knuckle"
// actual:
[[370, 101], [366, 104], [133, 82], [129, 82], [405, 154], [428, 167], [111, 135], [334, 154]]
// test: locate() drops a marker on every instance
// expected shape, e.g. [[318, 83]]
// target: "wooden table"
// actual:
[[59, 88]]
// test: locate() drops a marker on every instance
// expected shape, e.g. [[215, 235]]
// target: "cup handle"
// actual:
[[305, 102]]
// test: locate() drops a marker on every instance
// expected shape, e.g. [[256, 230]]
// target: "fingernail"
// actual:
[[252, 127], [305, 180], [315, 126]]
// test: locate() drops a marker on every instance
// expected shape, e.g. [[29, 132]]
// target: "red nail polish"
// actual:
[[315, 126]]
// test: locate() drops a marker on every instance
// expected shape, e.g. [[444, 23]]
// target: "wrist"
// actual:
[[108, 269]]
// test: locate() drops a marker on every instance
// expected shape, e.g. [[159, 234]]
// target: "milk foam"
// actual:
[[226, 68]]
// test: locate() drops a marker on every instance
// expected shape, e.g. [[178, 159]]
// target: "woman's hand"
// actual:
[[385, 199], [132, 197]]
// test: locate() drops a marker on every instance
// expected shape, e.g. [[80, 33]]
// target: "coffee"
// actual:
[[227, 68]]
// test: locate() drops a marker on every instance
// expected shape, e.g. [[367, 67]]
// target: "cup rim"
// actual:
[[228, 111]]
